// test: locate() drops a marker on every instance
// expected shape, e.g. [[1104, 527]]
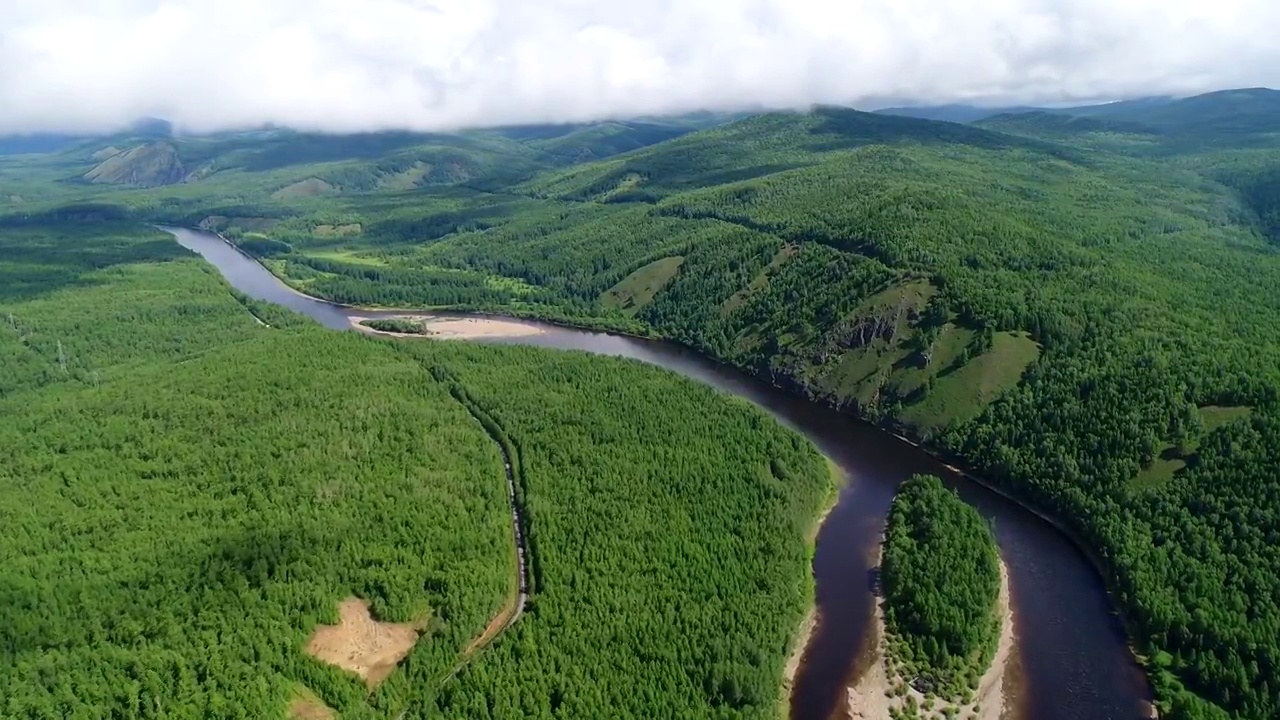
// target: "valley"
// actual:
[[1081, 309]]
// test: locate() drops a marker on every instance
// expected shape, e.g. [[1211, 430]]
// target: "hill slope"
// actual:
[[147, 165], [1068, 321], [1087, 316]]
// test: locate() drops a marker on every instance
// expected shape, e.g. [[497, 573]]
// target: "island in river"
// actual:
[[944, 622], [444, 328]]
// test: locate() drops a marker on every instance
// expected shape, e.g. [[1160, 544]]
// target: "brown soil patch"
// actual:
[[496, 625], [310, 708], [362, 645]]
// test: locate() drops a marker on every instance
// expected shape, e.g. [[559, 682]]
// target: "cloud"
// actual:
[[346, 65]]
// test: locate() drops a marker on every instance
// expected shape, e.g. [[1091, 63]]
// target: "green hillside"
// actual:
[[1083, 310]]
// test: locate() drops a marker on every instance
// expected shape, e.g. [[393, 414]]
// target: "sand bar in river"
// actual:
[[869, 698], [456, 328]]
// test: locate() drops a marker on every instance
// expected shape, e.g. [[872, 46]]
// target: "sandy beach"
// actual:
[[869, 699], [456, 328]]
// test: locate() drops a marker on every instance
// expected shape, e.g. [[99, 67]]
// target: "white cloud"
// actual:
[[346, 65]]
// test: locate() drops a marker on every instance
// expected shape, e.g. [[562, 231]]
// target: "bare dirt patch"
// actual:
[[362, 645], [452, 328], [310, 707], [500, 622]]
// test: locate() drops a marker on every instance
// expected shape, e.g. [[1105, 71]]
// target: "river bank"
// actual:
[[874, 697], [809, 623]]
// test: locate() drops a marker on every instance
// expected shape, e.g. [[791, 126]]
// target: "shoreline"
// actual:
[[870, 697], [809, 623]]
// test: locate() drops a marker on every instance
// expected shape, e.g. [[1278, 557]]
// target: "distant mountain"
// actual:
[[957, 113], [583, 142], [593, 142], [147, 165], [1060, 126], [1244, 118], [1224, 113], [151, 127], [33, 143], [36, 143], [1119, 108], [764, 145]]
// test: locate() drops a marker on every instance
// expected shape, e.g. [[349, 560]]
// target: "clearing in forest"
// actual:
[[306, 706], [362, 645], [637, 289], [311, 187]]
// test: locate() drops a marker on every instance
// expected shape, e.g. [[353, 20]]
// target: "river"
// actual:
[[1072, 660]]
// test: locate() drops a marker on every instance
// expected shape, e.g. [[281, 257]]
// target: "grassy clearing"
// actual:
[[637, 289], [912, 377], [1216, 416], [351, 257], [406, 179], [759, 282], [964, 393], [1169, 461], [337, 231], [1167, 465], [311, 187]]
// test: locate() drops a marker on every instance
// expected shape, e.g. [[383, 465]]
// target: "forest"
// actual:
[[1081, 327], [1080, 306], [940, 575], [187, 493]]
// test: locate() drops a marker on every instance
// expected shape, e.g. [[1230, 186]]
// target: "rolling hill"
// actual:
[[1082, 306]]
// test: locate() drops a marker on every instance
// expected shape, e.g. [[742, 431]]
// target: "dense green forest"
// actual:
[[188, 493], [940, 574], [670, 576], [1081, 305]]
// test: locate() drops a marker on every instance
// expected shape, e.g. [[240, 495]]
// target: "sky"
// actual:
[[367, 65]]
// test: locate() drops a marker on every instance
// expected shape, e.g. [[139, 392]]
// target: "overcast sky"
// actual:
[[345, 65]]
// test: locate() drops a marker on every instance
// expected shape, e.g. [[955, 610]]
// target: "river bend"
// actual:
[[1072, 660]]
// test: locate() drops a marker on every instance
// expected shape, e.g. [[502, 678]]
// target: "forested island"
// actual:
[[398, 326], [944, 608], [1079, 305]]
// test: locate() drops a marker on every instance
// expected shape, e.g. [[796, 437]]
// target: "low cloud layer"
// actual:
[[347, 65]]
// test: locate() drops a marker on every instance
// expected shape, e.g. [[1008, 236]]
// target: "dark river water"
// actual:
[[1072, 661]]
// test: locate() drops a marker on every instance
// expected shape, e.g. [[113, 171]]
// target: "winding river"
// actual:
[[1072, 660]]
